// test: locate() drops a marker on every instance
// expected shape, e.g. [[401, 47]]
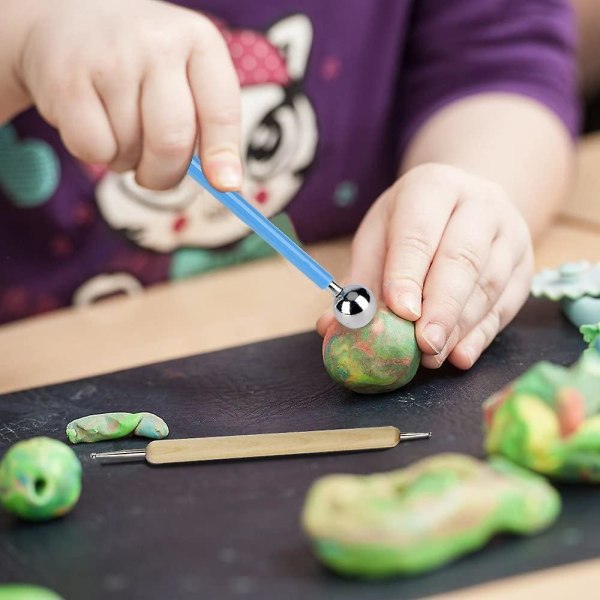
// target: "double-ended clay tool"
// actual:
[[230, 447], [354, 306]]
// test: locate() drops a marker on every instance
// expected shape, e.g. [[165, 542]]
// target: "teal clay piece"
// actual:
[[548, 420], [380, 357], [40, 479], [576, 286], [584, 310], [22, 591], [417, 519], [110, 426]]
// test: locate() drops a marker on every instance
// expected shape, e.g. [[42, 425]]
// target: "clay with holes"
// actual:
[[40, 479]]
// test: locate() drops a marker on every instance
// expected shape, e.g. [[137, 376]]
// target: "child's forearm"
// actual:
[[508, 139]]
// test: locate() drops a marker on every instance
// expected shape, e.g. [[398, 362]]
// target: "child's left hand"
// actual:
[[450, 251]]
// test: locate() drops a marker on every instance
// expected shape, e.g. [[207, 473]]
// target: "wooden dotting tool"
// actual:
[[161, 452]]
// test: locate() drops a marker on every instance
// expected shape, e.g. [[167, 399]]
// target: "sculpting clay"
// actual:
[[40, 479], [548, 420], [23, 591], [576, 285], [416, 519], [380, 357], [109, 426]]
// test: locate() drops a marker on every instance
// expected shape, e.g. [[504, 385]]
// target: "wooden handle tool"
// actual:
[[161, 452]]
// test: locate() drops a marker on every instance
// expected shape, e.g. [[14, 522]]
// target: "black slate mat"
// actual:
[[231, 530]]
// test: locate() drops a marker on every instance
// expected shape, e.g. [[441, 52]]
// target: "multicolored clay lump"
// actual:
[[109, 426], [380, 357], [40, 479], [416, 519], [548, 419]]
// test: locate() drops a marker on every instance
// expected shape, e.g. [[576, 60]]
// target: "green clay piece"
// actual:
[[110, 426], [40, 479], [590, 333], [417, 519], [380, 357], [548, 419], [22, 591]]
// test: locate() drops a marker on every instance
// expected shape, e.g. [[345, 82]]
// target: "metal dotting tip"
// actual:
[[355, 306]]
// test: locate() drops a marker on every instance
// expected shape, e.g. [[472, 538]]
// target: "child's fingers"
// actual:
[[216, 93], [417, 222], [368, 250], [120, 94], [169, 124], [84, 125], [469, 349], [494, 279], [325, 320], [457, 267]]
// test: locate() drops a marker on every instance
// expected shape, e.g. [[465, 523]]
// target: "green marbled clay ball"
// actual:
[[40, 479], [380, 357], [23, 591]]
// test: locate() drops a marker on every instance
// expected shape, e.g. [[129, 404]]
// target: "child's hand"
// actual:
[[450, 251], [130, 84]]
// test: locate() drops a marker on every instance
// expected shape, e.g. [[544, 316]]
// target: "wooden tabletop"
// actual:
[[241, 305]]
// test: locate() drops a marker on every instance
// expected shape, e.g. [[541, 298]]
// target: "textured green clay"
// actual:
[[417, 519], [22, 591], [40, 479], [110, 426], [548, 420], [381, 357]]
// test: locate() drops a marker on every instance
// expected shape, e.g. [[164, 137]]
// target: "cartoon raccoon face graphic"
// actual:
[[279, 139]]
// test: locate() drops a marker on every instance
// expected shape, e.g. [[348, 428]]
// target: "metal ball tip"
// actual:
[[354, 306]]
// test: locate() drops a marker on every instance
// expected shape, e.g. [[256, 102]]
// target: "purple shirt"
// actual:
[[331, 94]]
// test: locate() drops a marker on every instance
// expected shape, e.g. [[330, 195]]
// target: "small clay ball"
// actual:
[[40, 479], [380, 357], [23, 591]]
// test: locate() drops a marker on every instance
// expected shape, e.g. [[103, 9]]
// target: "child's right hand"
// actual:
[[131, 84]]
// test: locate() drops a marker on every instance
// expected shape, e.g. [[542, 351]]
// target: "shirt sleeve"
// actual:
[[459, 48]]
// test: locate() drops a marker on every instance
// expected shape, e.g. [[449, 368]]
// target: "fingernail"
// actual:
[[435, 336], [410, 302], [229, 176]]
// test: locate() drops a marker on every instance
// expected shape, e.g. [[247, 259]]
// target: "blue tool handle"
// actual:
[[264, 228]]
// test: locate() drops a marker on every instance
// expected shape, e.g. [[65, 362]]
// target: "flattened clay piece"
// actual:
[[40, 479], [380, 357], [571, 280], [576, 285], [548, 420], [110, 426], [23, 591], [416, 519]]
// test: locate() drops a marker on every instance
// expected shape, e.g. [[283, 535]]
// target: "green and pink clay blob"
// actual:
[[111, 426], [380, 357], [548, 419]]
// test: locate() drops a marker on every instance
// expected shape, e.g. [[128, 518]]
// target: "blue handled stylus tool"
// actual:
[[354, 306]]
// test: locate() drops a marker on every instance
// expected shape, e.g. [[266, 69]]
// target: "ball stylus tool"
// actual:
[[261, 445], [353, 306]]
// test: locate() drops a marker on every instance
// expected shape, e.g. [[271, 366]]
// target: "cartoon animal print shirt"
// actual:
[[331, 94]]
